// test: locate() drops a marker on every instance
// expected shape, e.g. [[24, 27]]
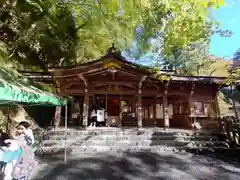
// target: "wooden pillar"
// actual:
[[191, 105], [165, 106], [139, 105], [217, 105], [165, 110], [154, 112], [139, 102], [85, 105]]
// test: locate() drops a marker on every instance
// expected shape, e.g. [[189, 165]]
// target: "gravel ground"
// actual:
[[135, 166]]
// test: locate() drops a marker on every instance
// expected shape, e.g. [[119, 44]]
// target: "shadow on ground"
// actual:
[[213, 149], [137, 165]]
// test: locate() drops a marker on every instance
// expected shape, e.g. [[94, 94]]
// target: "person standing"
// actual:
[[93, 117], [24, 134], [10, 152], [101, 117]]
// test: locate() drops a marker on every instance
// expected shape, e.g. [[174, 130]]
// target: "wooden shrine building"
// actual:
[[134, 95]]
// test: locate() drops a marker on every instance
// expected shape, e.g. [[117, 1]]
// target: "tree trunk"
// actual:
[[57, 117]]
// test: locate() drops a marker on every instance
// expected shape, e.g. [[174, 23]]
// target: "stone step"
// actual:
[[132, 148], [83, 149], [127, 143], [124, 139], [119, 139], [132, 137], [94, 149], [124, 145], [49, 143], [108, 131]]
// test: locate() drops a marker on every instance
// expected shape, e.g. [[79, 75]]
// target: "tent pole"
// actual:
[[65, 138]]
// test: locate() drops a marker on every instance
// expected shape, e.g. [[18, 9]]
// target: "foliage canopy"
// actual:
[[59, 33]]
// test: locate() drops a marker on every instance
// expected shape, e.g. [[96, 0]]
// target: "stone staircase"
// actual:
[[129, 139]]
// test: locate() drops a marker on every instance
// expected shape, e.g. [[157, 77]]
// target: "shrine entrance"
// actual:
[[120, 109]]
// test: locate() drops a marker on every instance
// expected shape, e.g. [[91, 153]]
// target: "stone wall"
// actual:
[[231, 127], [37, 116]]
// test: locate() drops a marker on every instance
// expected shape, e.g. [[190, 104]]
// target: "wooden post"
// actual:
[[85, 105], [191, 106], [139, 102], [165, 107], [217, 111], [139, 105], [165, 111], [217, 105], [154, 112]]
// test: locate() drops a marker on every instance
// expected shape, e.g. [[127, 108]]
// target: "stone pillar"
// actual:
[[85, 105], [139, 105], [165, 110]]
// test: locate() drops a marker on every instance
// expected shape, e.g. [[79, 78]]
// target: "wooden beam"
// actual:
[[105, 82], [65, 76], [68, 83], [83, 78], [153, 93], [97, 72], [88, 71], [71, 73], [114, 92], [136, 70], [143, 78], [128, 92], [129, 85], [113, 82], [126, 72], [93, 84], [98, 85], [151, 86]]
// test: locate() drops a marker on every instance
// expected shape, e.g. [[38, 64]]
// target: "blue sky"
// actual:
[[229, 18], [225, 47]]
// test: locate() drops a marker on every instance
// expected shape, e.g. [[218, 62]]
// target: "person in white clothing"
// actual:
[[93, 117], [23, 133]]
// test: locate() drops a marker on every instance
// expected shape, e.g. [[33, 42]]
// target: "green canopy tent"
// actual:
[[15, 89]]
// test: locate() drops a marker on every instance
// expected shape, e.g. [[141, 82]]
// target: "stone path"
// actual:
[[135, 166]]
